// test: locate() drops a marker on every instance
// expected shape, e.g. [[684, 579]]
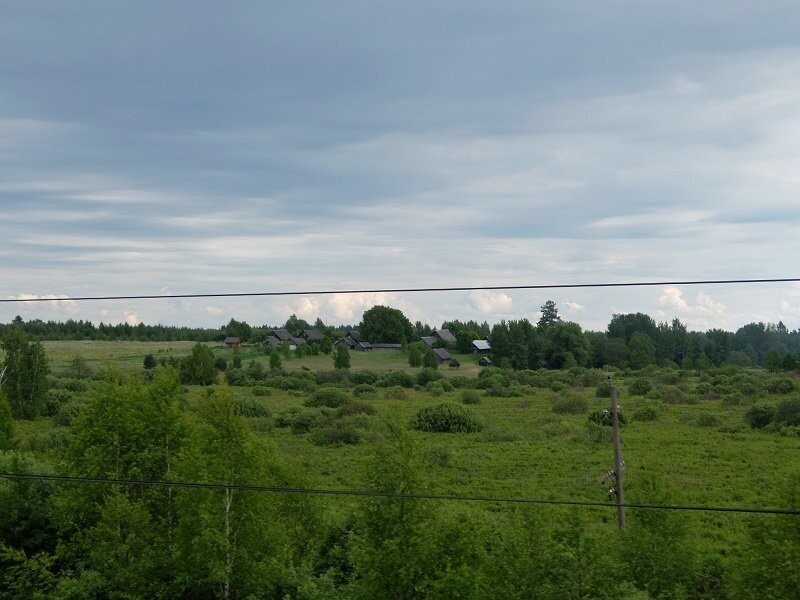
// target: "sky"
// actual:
[[206, 147]]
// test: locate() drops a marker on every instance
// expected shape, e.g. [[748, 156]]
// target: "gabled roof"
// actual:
[[355, 335], [312, 335], [442, 354], [271, 340], [445, 336], [481, 345], [282, 334], [429, 340], [485, 361]]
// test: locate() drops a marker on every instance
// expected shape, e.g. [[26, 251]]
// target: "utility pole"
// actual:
[[619, 465]]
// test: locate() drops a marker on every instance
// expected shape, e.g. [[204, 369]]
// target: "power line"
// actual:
[[410, 290], [377, 494]]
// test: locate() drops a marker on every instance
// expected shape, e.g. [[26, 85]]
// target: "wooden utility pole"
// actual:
[[618, 463]]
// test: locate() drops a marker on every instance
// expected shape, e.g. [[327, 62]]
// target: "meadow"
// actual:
[[686, 438]]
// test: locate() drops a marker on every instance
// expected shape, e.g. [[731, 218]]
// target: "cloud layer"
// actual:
[[368, 146]]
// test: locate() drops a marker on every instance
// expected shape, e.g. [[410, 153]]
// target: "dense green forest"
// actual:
[[700, 429]]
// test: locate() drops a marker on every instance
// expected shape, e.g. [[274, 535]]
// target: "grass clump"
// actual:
[[569, 404], [446, 418], [395, 393], [470, 397]]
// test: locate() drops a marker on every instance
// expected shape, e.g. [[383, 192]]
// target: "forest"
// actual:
[[194, 470]]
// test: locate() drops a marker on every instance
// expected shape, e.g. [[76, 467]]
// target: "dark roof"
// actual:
[[271, 340], [388, 346], [355, 335], [445, 336], [442, 354], [232, 340], [485, 361], [429, 340], [282, 334], [346, 340], [312, 335]]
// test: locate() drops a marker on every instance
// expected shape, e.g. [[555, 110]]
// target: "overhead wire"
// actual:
[[551, 286], [392, 495]]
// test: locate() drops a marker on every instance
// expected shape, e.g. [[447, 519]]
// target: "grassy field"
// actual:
[[698, 450]]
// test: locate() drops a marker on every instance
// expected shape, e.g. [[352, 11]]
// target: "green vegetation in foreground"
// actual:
[[688, 439]]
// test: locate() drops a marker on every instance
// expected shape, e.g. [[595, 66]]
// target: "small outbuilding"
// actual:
[[485, 361], [232, 342]]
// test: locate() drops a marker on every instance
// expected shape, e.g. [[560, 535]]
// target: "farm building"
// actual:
[[481, 346], [232, 342]]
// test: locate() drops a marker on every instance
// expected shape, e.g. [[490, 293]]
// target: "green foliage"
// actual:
[[385, 324], [306, 420], [341, 357], [603, 417], [355, 408], [570, 404], [395, 392], [23, 374], [706, 419], [429, 359], [149, 361], [760, 415], [365, 390], [787, 413], [603, 389], [198, 368], [364, 377], [251, 407], [648, 411], [446, 418], [335, 434], [427, 375], [6, 423], [78, 368], [415, 354], [397, 378], [470, 397], [220, 364], [639, 386], [784, 385], [434, 388], [328, 396]]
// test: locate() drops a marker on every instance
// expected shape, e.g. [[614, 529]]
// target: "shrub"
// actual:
[[454, 364], [459, 381], [396, 378], [733, 399], [327, 396], [336, 434], [285, 417], [787, 413], [68, 412], [261, 391], [251, 407], [395, 393], [446, 418], [708, 420], [603, 417], [647, 412], [783, 385], [499, 390], [558, 386], [675, 395], [639, 386], [427, 375], [703, 389], [365, 389], [759, 415], [220, 364], [470, 397], [306, 420], [603, 389], [355, 408], [446, 385], [592, 378], [434, 388], [570, 404], [364, 377], [497, 379], [336, 376]]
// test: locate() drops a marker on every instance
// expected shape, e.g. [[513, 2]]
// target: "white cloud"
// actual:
[[131, 318], [702, 313], [488, 303], [573, 307], [348, 308]]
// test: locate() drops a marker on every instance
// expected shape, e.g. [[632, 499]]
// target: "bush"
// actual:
[[355, 408], [459, 381], [703, 389], [783, 385], [306, 420], [285, 417], [336, 434], [639, 386], [251, 407], [674, 395], [337, 376], [68, 412], [434, 388], [570, 404], [650, 411], [470, 397], [592, 378], [428, 374], [787, 413], [603, 389], [708, 420], [260, 391], [603, 417], [220, 364], [395, 393], [733, 399], [446, 418], [365, 389], [396, 378], [454, 364], [759, 415], [499, 390], [330, 397], [364, 377]]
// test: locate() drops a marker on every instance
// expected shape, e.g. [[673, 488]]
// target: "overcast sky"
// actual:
[[201, 147]]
